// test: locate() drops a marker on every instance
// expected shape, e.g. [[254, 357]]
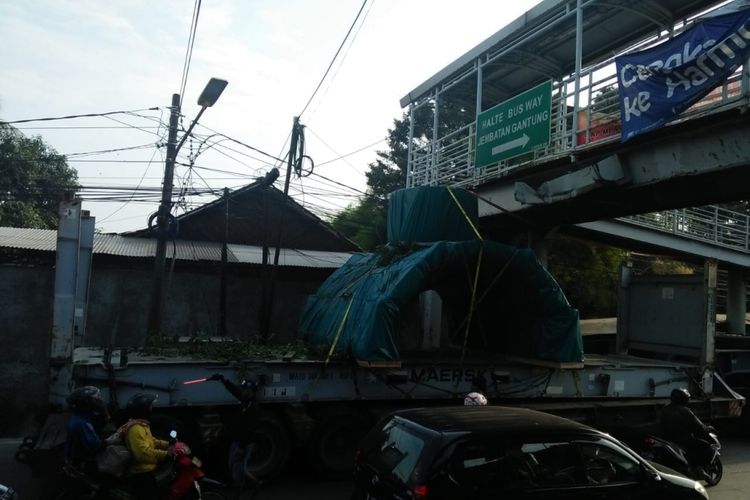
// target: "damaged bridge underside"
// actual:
[[696, 162]]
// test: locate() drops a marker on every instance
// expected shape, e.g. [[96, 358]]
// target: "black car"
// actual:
[[493, 452]]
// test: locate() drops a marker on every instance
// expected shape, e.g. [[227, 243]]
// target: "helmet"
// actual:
[[85, 399], [475, 399], [140, 405], [680, 396]]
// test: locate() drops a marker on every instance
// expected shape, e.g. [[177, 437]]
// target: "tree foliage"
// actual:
[[588, 274], [365, 222], [33, 177]]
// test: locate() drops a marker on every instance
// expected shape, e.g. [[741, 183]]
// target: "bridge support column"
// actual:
[[736, 301]]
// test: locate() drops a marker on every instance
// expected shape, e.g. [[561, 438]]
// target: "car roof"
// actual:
[[501, 420]]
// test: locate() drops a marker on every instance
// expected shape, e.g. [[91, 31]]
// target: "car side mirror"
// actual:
[[650, 475]]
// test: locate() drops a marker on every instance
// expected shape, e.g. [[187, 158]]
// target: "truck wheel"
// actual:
[[270, 451], [333, 444]]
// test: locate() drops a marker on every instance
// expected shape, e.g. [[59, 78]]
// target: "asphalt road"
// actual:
[[298, 483]]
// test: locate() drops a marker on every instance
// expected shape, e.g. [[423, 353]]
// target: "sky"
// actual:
[[71, 57]]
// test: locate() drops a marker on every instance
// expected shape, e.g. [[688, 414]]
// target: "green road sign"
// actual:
[[514, 127]]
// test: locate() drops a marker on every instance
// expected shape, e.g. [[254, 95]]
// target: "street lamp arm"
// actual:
[[187, 133]]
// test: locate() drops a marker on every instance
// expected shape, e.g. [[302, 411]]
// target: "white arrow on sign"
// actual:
[[515, 143]]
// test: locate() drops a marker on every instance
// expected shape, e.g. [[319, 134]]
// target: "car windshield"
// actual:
[[397, 450]]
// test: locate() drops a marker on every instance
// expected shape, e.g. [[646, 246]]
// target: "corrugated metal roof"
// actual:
[[31, 239], [115, 244]]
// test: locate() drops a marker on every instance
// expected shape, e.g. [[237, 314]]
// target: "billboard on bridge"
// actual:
[[659, 83]]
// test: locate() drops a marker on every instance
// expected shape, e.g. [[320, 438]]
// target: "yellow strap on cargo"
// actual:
[[466, 216], [340, 329], [472, 304]]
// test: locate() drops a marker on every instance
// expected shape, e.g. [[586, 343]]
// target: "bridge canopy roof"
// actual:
[[540, 44]]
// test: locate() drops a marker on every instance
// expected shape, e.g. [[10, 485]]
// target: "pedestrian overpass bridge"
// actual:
[[583, 174], [538, 121], [708, 232]]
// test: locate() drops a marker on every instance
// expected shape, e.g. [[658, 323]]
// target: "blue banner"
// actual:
[[659, 83]]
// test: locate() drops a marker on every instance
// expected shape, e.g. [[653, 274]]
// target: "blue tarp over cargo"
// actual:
[[520, 309]]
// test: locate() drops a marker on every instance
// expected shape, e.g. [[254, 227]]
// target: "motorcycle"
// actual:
[[179, 479], [187, 480], [669, 454]]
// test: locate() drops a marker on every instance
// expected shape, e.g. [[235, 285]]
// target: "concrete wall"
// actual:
[[25, 325], [120, 297], [119, 300]]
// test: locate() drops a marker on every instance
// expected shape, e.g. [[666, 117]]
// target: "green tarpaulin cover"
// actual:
[[431, 213], [520, 309]]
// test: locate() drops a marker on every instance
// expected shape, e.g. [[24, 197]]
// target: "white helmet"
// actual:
[[475, 399]]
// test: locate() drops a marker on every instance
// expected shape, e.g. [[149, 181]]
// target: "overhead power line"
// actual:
[[189, 50], [140, 181], [339, 183], [70, 117], [342, 60], [242, 143], [115, 150], [334, 59], [340, 156], [82, 127]]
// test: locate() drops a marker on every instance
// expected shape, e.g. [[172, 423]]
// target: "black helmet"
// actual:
[[680, 396], [85, 399], [139, 406]]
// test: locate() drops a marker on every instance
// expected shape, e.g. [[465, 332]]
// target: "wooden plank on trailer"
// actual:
[[378, 364], [558, 365]]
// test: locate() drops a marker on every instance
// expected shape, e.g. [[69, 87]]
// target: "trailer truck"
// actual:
[[409, 327]]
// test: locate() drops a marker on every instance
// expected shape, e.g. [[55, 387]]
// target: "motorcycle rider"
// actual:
[[85, 427], [240, 428], [681, 426], [147, 451]]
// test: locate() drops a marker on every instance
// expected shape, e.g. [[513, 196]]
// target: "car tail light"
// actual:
[[420, 492]]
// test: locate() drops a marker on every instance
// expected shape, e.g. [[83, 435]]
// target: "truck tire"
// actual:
[[271, 449], [333, 443]]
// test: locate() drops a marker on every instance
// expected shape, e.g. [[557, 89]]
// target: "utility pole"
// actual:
[[162, 221], [267, 308], [223, 279], [290, 164]]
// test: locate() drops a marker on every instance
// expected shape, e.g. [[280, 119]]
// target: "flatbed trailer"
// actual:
[[324, 407], [291, 381]]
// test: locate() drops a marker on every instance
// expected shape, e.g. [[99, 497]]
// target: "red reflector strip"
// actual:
[[196, 381], [420, 492]]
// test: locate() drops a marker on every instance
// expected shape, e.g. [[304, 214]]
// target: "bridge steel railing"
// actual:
[[449, 160], [709, 224]]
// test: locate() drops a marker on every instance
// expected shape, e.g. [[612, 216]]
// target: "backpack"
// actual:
[[116, 457]]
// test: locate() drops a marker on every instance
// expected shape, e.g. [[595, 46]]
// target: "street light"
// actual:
[[208, 98], [211, 93]]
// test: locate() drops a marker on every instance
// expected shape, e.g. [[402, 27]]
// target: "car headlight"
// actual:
[[700, 489]]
